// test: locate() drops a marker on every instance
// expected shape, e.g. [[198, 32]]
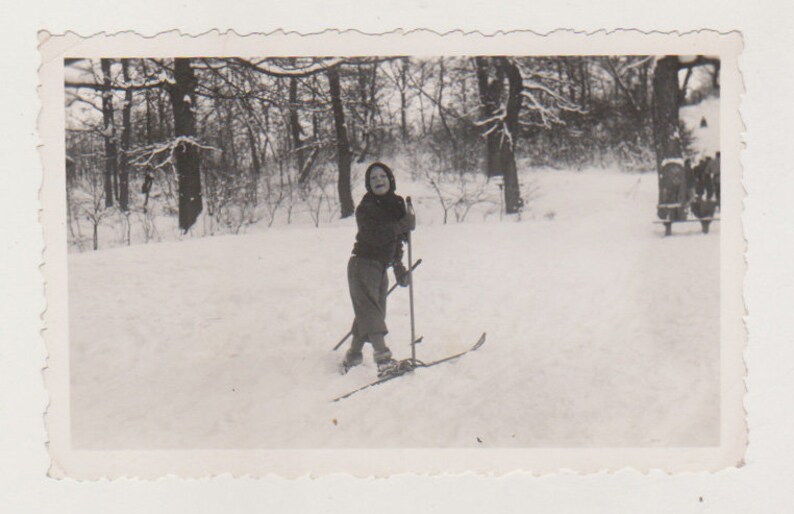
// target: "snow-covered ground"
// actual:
[[601, 332]]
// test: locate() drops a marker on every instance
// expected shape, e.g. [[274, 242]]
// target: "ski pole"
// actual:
[[411, 286], [392, 288]]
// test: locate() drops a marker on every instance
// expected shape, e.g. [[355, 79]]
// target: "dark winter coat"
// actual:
[[380, 228], [713, 169], [382, 223]]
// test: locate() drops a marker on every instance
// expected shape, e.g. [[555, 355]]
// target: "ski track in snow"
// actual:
[[600, 333]]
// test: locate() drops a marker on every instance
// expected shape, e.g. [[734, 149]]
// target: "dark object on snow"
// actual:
[[703, 122]]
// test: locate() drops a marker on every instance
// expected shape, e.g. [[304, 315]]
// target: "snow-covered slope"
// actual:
[[600, 332], [706, 138]]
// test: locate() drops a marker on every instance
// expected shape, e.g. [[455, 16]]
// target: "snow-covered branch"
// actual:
[[562, 102], [499, 116], [159, 156], [159, 81], [547, 116], [268, 67]]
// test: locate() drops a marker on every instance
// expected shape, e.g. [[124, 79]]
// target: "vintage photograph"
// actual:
[[343, 251]]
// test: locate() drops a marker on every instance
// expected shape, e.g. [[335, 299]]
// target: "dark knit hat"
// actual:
[[392, 183]]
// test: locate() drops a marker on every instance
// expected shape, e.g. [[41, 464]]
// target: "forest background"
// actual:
[[163, 148]]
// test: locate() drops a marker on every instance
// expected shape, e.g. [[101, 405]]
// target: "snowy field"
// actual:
[[601, 332]]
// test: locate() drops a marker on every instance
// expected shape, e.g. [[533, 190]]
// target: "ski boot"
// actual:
[[394, 367], [352, 359], [386, 365], [387, 368]]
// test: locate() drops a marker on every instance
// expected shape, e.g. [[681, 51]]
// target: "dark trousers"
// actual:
[[368, 284]]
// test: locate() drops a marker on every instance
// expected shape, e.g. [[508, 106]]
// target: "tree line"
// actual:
[[241, 138]]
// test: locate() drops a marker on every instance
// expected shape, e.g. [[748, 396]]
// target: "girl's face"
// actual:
[[379, 181]]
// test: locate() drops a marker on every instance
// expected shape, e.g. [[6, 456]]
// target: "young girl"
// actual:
[[383, 225]]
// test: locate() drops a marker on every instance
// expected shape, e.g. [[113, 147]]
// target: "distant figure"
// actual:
[[703, 122], [708, 183], [700, 176], [689, 175], [713, 174]]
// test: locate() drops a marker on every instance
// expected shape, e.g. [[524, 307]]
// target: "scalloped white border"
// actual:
[[83, 464]]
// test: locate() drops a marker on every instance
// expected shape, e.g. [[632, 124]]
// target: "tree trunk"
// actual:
[[666, 131], [682, 91], [667, 139], [315, 118], [109, 134], [229, 126], [148, 97], [163, 127], [509, 137], [644, 87], [490, 98], [441, 115], [403, 100], [256, 170], [186, 152], [343, 156], [294, 125], [368, 94], [715, 75], [126, 136]]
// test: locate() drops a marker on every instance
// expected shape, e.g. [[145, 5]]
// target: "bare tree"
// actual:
[[109, 133], [666, 102], [186, 153], [343, 154], [501, 122], [91, 204], [295, 127], [667, 132], [126, 138]]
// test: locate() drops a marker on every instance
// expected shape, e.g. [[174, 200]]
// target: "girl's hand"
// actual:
[[410, 220], [401, 275]]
